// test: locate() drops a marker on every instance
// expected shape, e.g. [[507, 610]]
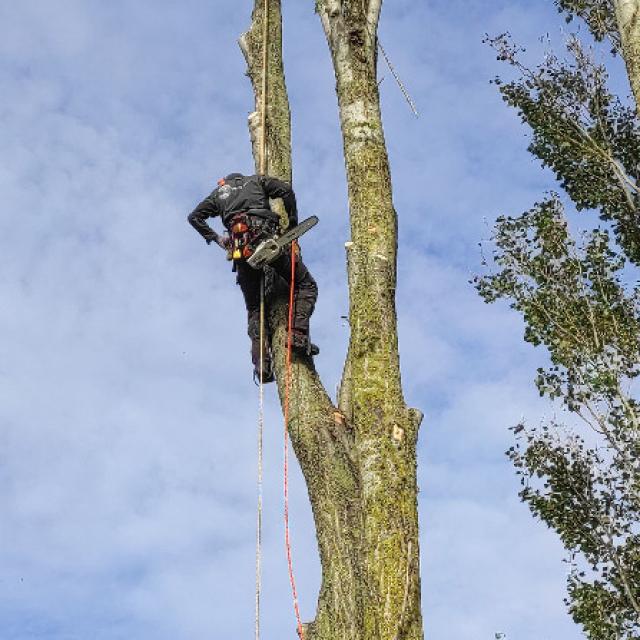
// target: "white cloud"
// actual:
[[127, 413]]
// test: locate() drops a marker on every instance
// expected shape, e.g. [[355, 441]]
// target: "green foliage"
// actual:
[[573, 301], [590, 497], [604, 612], [578, 300], [582, 132]]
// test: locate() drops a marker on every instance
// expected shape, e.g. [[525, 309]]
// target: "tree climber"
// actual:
[[243, 204]]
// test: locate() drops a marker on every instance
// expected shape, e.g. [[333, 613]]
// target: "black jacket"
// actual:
[[246, 194]]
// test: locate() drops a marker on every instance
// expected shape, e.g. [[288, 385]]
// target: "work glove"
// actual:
[[223, 242]]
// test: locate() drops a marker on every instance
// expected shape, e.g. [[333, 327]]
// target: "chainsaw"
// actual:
[[271, 248]]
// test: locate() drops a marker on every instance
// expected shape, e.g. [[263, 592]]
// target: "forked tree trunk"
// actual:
[[628, 18], [359, 457]]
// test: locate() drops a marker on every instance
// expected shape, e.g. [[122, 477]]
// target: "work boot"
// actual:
[[267, 365], [301, 344]]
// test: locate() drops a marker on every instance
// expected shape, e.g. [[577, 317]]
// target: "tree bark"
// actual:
[[371, 391], [358, 458], [628, 18]]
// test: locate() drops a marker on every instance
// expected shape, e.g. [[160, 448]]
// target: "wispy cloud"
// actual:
[[127, 437]]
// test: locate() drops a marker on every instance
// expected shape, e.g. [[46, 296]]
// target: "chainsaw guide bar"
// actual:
[[271, 249]]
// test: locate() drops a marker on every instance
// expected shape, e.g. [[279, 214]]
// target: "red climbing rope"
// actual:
[[287, 394]]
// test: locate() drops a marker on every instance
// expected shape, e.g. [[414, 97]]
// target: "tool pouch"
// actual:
[[241, 237]]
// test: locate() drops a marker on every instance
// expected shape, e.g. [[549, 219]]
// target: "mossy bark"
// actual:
[[371, 391], [628, 18], [358, 457]]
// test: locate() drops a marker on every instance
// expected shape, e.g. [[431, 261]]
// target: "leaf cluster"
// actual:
[[573, 300], [591, 500], [577, 299], [582, 132], [599, 16]]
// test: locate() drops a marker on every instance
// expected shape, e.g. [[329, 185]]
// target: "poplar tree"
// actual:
[[357, 452], [579, 298]]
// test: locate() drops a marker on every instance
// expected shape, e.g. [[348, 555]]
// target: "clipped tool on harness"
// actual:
[[271, 248], [241, 238]]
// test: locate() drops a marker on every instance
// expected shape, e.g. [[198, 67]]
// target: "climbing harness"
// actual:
[[248, 234]]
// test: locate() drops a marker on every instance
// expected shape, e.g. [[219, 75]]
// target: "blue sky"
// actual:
[[127, 410]]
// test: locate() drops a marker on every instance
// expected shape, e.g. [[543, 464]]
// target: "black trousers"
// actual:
[[305, 292]]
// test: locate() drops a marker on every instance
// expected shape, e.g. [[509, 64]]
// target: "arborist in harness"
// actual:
[[243, 204]]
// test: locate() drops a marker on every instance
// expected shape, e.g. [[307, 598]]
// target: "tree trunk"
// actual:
[[628, 18], [358, 459]]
